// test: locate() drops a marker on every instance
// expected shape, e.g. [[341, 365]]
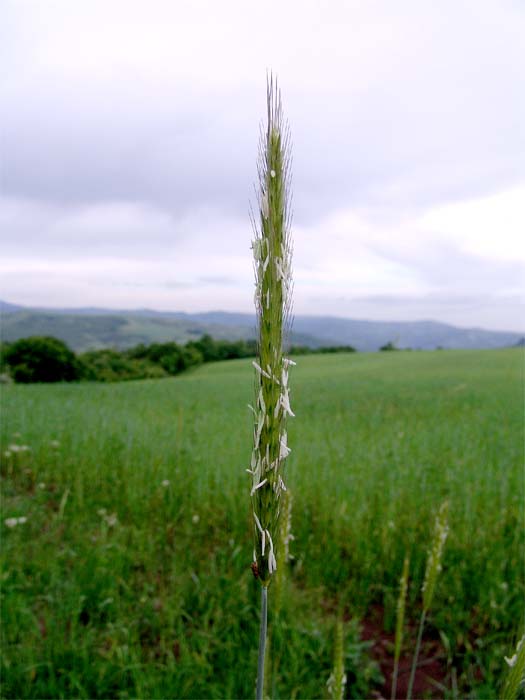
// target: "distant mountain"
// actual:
[[5, 307], [88, 328]]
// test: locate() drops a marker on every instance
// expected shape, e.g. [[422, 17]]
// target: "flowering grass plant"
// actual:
[[273, 286]]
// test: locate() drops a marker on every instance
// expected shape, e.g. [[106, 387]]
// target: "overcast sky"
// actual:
[[129, 139]]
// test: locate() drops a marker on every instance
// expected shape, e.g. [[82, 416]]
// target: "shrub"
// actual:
[[113, 366], [41, 359], [388, 347]]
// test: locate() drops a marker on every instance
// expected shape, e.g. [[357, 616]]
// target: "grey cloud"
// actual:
[[178, 161], [221, 280], [421, 128], [445, 266], [140, 152]]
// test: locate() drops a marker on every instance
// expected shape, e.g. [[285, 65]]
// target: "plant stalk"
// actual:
[[262, 642], [416, 655], [400, 618], [394, 679]]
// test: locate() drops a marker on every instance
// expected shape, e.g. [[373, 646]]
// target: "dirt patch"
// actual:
[[431, 679]]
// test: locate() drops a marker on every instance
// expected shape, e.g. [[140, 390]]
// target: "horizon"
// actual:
[[77, 309]]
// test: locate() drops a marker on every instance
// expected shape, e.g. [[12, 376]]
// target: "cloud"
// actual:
[[166, 109], [128, 169]]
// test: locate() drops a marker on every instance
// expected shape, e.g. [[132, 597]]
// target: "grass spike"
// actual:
[[435, 556], [400, 619], [432, 571], [515, 679], [272, 253], [337, 681]]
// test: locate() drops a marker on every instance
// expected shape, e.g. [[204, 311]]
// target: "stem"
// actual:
[[394, 679], [416, 654], [262, 642]]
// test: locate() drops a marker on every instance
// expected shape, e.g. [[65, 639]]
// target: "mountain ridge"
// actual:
[[91, 327]]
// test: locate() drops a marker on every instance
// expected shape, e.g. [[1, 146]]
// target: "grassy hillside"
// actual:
[[84, 331], [130, 577]]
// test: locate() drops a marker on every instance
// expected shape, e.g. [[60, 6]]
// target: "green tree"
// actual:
[[41, 359]]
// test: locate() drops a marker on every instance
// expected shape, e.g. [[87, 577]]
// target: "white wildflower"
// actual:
[[112, 520], [13, 522], [195, 518], [166, 483], [272, 173]]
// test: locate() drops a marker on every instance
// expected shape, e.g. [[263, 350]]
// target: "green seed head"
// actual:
[[435, 555], [400, 610], [272, 259], [337, 681], [515, 679]]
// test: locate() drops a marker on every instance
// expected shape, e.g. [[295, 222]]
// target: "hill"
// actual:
[[88, 328]]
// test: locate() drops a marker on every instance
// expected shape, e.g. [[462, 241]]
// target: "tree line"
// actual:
[[48, 359]]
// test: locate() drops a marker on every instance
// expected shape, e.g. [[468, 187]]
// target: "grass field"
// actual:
[[131, 575]]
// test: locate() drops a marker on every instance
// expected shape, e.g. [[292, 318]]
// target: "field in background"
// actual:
[[130, 577]]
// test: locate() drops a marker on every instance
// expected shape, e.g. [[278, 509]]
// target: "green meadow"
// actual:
[[130, 575]]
